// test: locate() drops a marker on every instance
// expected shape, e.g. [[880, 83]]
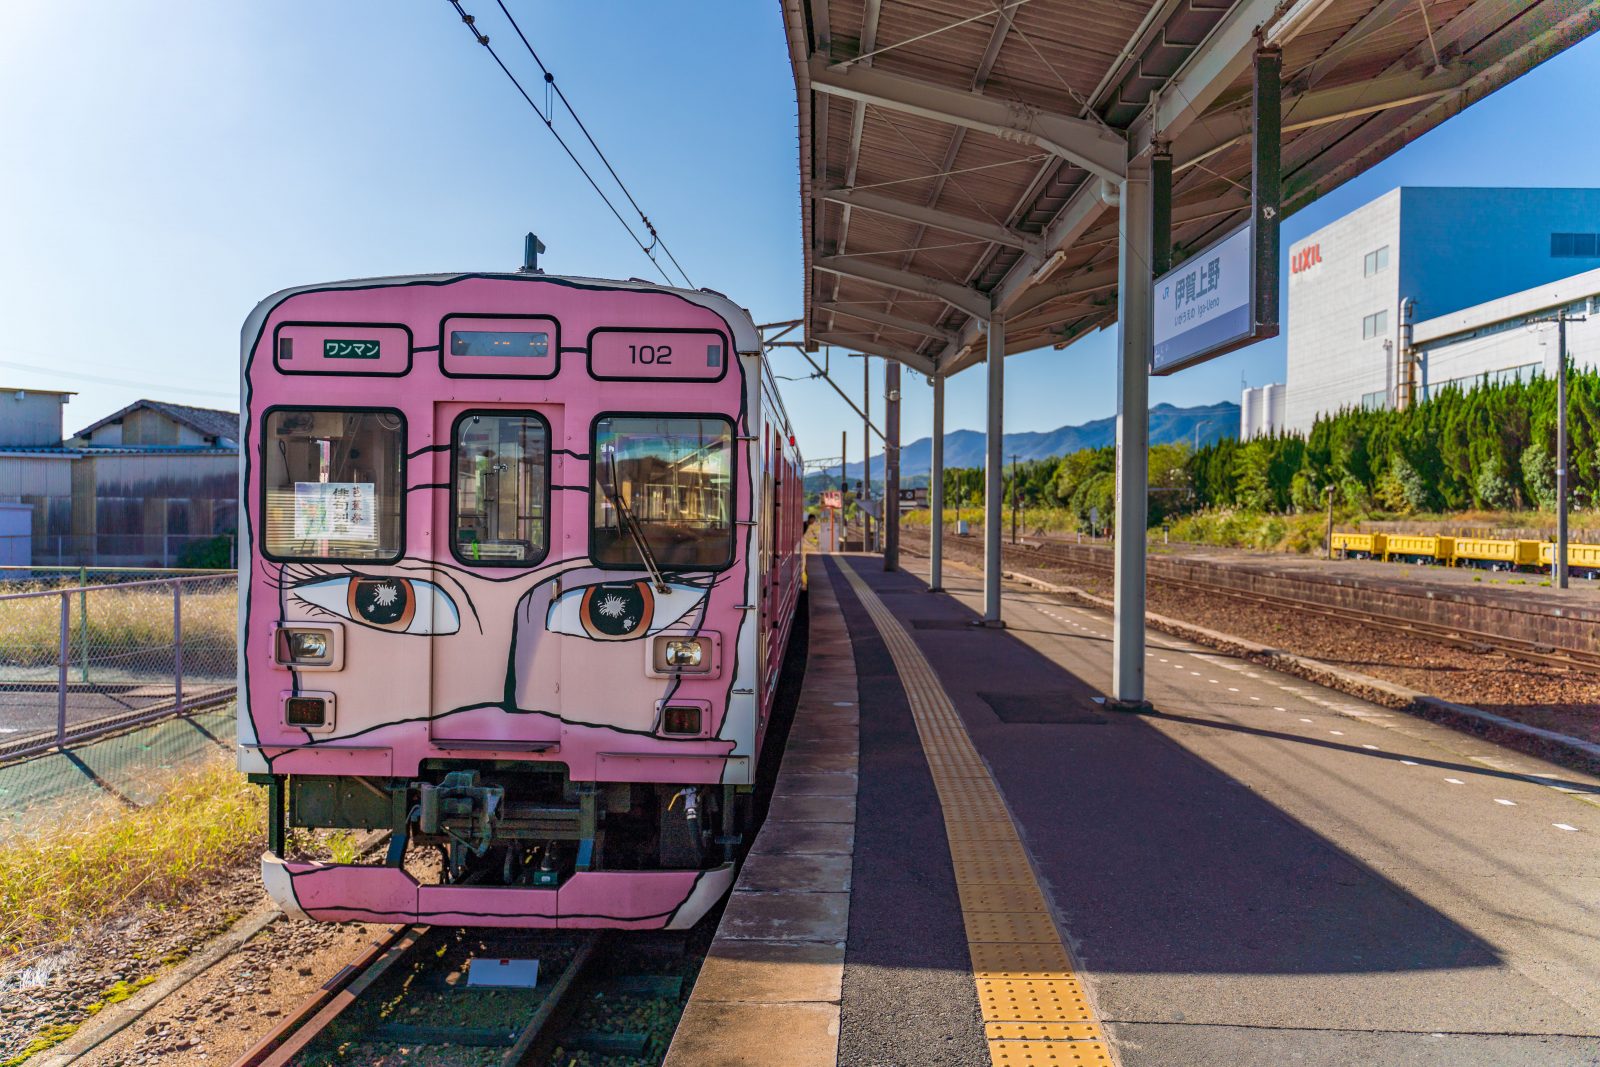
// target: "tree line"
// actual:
[[1490, 447], [1083, 483]]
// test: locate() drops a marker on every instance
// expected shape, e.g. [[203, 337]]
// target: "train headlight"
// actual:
[[684, 654], [307, 647], [680, 654]]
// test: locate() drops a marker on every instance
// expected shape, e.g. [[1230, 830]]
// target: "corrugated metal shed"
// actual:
[[952, 154]]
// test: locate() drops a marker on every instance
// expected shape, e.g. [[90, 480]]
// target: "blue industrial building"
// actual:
[[1358, 286]]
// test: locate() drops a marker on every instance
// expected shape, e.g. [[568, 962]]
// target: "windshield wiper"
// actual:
[[625, 520]]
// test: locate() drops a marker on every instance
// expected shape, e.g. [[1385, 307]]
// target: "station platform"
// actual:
[[969, 860]]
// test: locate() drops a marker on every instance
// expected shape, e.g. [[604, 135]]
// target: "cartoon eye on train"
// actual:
[[523, 560]]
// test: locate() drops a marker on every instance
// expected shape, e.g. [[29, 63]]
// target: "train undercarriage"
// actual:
[[516, 824]]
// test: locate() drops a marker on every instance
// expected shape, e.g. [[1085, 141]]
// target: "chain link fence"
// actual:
[[80, 660]]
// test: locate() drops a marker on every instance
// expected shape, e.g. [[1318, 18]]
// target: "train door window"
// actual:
[[333, 484], [672, 476], [500, 494]]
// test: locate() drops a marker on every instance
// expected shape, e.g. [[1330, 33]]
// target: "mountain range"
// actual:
[[964, 448]]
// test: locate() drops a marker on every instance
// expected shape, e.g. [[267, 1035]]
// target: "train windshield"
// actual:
[[333, 484], [673, 477], [500, 490]]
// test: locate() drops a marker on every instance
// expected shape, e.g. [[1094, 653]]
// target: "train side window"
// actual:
[[674, 477], [333, 484], [500, 494]]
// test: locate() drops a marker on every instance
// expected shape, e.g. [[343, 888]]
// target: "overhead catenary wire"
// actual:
[[548, 119], [550, 81], [98, 379]]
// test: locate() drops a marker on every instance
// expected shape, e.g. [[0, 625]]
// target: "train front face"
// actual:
[[499, 548]]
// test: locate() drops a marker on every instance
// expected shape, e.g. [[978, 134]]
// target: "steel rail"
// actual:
[[303, 1026], [1456, 636]]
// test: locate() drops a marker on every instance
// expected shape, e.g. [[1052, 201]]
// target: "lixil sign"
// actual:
[[1308, 257]]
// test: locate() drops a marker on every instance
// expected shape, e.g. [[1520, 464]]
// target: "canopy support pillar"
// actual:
[[1135, 330], [891, 465], [994, 474], [936, 493]]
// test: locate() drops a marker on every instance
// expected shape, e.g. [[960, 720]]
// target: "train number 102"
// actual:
[[656, 354]]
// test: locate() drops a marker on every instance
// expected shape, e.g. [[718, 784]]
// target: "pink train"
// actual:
[[523, 560]]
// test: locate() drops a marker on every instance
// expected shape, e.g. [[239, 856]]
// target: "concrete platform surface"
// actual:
[[1264, 872], [969, 860]]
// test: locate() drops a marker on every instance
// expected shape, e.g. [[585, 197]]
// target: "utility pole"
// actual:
[[1558, 568], [1016, 488], [1327, 547], [1561, 450], [844, 488]]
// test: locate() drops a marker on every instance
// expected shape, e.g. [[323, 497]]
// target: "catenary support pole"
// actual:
[[1561, 450], [1327, 543], [844, 487], [1016, 499], [994, 476], [1135, 332], [936, 493], [891, 465]]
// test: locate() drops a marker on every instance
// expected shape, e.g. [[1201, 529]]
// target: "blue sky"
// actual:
[[169, 164]]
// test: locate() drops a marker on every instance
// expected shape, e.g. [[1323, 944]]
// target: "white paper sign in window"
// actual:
[[335, 511]]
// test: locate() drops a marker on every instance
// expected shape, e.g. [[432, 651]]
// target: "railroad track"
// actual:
[[1458, 637], [598, 994], [410, 988]]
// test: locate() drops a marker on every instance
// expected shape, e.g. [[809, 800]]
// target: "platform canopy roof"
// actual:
[[961, 156]]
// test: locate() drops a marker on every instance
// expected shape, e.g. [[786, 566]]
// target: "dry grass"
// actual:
[[100, 860], [107, 619]]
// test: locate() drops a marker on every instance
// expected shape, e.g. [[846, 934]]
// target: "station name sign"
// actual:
[[1209, 305]]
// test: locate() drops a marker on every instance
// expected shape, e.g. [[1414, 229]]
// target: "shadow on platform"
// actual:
[[1159, 862]]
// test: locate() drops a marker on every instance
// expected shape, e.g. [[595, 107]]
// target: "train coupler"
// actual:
[[460, 809]]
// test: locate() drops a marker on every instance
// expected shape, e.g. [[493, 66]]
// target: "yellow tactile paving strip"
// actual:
[[1034, 1008], [1032, 1002]]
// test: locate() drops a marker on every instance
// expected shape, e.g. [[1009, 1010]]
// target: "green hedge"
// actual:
[[1489, 448]]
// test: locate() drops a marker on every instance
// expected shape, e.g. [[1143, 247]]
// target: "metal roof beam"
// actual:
[[960, 297], [933, 217], [1379, 17], [884, 318], [1508, 53], [1084, 143], [915, 360], [1316, 108], [1060, 287], [858, 119], [1230, 202], [1069, 226], [1221, 58]]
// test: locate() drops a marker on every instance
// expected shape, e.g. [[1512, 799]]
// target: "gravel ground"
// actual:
[[220, 1014], [60, 989], [1554, 698], [213, 1018]]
